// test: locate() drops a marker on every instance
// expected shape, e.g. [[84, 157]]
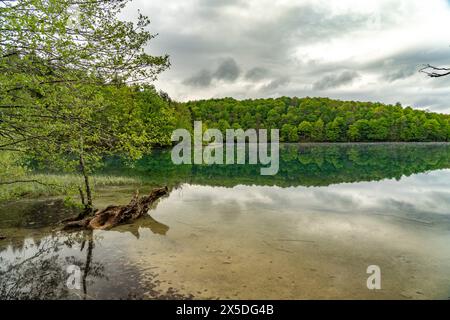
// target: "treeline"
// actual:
[[322, 119]]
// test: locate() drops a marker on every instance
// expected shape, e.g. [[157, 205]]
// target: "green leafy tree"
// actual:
[[353, 133], [318, 130], [305, 130], [433, 129], [64, 70], [334, 130], [223, 125], [289, 133]]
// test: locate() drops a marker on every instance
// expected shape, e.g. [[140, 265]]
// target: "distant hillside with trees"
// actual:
[[322, 119]]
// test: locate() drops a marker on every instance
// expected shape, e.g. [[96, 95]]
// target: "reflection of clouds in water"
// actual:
[[242, 197], [334, 200], [442, 198], [330, 226], [418, 194], [372, 216]]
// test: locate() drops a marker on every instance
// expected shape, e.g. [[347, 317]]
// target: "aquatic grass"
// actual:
[[42, 185]]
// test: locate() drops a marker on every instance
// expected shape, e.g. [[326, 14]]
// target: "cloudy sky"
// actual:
[[347, 49]]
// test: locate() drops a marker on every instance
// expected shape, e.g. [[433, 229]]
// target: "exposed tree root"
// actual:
[[115, 215]]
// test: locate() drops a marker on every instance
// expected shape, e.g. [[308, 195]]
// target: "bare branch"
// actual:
[[435, 72]]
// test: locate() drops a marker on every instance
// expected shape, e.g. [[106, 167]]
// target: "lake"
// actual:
[[227, 232]]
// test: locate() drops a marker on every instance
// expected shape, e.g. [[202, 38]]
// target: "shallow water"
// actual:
[[226, 232]]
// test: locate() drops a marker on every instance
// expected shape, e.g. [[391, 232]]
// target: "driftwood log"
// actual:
[[115, 215]]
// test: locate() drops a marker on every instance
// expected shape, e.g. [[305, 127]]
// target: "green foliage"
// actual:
[[318, 130], [289, 133], [11, 166], [323, 119], [70, 202], [72, 84], [305, 130]]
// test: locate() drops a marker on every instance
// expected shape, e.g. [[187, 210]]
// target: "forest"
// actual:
[[323, 119]]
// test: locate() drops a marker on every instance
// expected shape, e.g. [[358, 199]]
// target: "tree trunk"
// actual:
[[116, 215], [88, 205], [83, 202]]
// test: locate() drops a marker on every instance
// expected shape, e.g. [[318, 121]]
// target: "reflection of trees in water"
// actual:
[[33, 214], [95, 270], [87, 265], [38, 276], [38, 270], [300, 165]]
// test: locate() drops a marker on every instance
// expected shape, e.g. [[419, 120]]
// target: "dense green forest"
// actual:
[[323, 120]]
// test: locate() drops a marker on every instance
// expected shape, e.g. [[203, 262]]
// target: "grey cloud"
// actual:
[[277, 36], [201, 79], [399, 74], [407, 63], [256, 74], [268, 38], [434, 102], [335, 80], [275, 84], [219, 3], [228, 70], [426, 102]]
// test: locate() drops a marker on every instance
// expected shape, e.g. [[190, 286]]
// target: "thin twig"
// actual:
[[31, 181]]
